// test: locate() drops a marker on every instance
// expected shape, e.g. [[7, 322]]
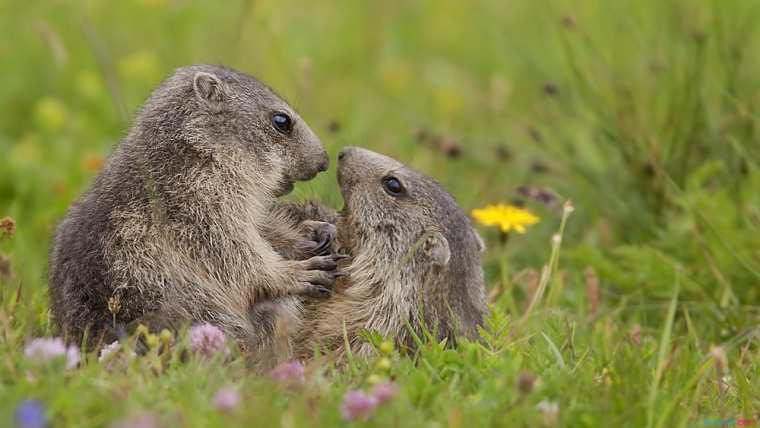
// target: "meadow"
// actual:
[[640, 308]]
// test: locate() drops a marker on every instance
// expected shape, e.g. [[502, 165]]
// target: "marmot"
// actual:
[[415, 261], [179, 224]]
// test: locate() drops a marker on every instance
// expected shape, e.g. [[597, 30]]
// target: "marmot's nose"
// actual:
[[324, 165], [343, 152]]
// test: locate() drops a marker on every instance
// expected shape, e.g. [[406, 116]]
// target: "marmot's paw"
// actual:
[[319, 237], [317, 275]]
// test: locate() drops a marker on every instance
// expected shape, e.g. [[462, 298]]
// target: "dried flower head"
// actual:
[[358, 405], [541, 195], [207, 340], [7, 227], [526, 382], [503, 152], [568, 21], [333, 126], [114, 305], [535, 134], [450, 147], [421, 134], [506, 217]]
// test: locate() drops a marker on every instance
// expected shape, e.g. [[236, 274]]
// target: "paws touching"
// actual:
[[318, 238], [316, 276]]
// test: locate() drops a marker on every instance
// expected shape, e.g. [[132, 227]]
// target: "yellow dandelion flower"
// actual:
[[506, 217]]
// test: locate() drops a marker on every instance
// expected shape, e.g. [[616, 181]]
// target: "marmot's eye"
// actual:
[[393, 186], [282, 122]]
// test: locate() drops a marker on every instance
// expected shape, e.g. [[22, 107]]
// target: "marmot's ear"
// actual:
[[436, 247], [207, 87]]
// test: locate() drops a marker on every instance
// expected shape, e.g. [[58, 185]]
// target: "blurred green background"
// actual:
[[644, 113]]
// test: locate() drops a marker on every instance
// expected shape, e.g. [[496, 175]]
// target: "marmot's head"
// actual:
[[419, 242], [219, 112]]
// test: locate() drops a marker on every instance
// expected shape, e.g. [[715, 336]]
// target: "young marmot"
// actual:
[[179, 227], [416, 261]]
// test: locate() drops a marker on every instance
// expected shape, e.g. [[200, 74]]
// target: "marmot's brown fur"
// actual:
[[416, 261], [180, 225]]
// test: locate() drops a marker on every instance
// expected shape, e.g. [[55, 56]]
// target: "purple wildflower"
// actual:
[[358, 405], [384, 392], [226, 399], [47, 349], [30, 414], [290, 373], [72, 357], [207, 340]]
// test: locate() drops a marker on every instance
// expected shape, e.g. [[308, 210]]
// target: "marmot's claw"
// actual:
[[341, 257], [323, 247], [321, 263], [306, 247], [321, 236], [317, 291]]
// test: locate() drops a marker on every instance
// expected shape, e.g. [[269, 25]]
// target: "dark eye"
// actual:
[[282, 122], [393, 186]]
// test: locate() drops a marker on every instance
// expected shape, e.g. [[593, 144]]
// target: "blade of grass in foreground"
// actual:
[[662, 354], [688, 387]]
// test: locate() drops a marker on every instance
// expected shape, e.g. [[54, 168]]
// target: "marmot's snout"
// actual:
[[324, 164], [323, 160], [344, 166], [310, 162]]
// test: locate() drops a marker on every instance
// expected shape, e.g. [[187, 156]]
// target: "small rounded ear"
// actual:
[[436, 247], [207, 87]]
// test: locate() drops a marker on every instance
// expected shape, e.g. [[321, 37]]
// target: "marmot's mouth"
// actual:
[[285, 187]]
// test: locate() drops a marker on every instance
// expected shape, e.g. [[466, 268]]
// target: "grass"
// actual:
[[643, 113]]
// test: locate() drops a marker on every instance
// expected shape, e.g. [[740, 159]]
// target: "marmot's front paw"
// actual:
[[318, 238], [316, 276]]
